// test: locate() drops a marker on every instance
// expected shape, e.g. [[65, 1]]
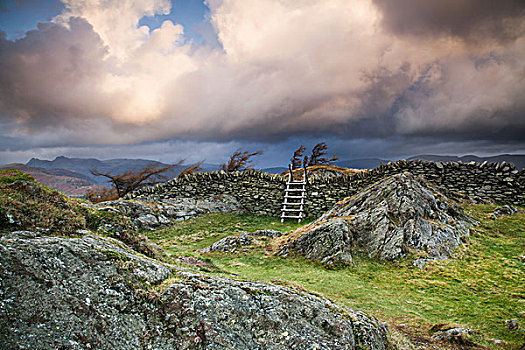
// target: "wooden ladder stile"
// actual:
[[294, 197]]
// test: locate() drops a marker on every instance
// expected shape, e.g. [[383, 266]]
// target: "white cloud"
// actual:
[[116, 21]]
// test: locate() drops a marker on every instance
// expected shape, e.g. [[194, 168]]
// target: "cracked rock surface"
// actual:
[[388, 220], [95, 293]]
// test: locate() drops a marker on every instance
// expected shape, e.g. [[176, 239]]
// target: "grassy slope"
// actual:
[[480, 288], [26, 204]]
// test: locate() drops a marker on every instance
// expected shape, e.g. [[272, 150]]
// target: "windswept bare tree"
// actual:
[[297, 157], [318, 153], [305, 161], [101, 194], [132, 180], [192, 169], [240, 161]]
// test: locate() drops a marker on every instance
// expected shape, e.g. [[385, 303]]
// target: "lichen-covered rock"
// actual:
[[329, 242], [230, 243], [95, 293], [72, 293], [226, 314], [455, 335], [113, 224], [266, 233], [504, 210], [388, 220], [142, 215]]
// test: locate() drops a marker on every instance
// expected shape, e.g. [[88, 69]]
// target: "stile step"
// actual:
[[293, 201]]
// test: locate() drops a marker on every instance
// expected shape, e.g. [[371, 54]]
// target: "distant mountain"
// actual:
[[68, 182], [209, 167], [113, 166], [365, 163], [517, 159]]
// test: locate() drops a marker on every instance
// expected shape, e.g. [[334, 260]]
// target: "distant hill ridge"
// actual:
[[84, 166], [113, 166], [361, 163]]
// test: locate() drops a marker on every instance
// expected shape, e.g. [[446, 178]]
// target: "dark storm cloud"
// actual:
[[468, 19], [47, 77]]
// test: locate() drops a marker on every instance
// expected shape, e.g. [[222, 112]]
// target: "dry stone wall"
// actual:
[[256, 192], [262, 194]]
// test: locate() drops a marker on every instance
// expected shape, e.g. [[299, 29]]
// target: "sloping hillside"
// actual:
[[69, 182], [27, 205]]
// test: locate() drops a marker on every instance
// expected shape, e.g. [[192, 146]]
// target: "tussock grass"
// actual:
[[480, 287]]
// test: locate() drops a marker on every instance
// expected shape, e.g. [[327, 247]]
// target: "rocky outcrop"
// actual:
[[95, 293], [230, 243], [328, 242], [389, 219], [151, 215], [504, 210], [456, 335]]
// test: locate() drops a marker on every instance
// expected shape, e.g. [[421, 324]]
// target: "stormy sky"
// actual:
[[197, 80]]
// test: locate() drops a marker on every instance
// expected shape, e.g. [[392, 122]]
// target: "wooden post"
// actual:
[[305, 175]]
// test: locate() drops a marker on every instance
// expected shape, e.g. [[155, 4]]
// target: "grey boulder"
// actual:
[[95, 293]]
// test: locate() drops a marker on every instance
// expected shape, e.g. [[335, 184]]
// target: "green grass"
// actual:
[[185, 237], [480, 287]]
